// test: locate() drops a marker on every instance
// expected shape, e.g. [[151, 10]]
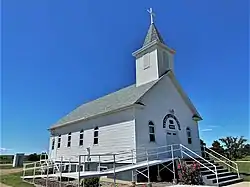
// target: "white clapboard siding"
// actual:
[[158, 101], [116, 133]]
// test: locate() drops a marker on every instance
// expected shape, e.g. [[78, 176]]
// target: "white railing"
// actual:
[[215, 169], [127, 156], [230, 161]]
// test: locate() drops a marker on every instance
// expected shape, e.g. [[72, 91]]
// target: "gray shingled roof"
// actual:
[[116, 100], [152, 35]]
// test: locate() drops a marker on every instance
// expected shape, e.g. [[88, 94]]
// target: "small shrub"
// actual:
[[189, 174], [91, 182]]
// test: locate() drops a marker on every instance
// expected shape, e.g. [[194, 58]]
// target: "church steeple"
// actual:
[[152, 35], [154, 58]]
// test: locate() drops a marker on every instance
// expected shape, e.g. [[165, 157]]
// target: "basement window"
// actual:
[[151, 131], [81, 138], [96, 129], [69, 140], [189, 137], [59, 141]]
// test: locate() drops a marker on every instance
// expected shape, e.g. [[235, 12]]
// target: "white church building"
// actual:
[[153, 112]]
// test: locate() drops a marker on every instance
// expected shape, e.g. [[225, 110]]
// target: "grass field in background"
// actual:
[[14, 180], [244, 168]]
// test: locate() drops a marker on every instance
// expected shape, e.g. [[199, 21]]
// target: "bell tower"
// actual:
[[154, 58]]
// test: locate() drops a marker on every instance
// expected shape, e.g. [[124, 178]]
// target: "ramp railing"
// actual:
[[82, 163]]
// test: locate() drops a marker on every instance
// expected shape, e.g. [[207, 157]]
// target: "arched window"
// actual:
[[59, 141], [151, 127], [189, 137], [53, 144], [96, 135], [69, 140], [81, 138]]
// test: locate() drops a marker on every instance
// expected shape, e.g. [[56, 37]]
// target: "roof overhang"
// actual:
[[152, 44]]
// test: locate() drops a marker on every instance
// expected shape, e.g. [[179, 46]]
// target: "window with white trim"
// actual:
[[81, 138], [53, 144], [69, 140], [151, 127], [189, 137], [59, 141], [96, 132]]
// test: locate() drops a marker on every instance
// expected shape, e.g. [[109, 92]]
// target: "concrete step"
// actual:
[[210, 176], [211, 167], [207, 172], [224, 178], [232, 181]]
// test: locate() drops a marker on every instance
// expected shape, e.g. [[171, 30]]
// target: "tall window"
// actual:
[[59, 141], [53, 144], [189, 135], [96, 135], [69, 140], [151, 131], [81, 138]]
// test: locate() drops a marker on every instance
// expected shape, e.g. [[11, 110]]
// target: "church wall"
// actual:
[[116, 133], [159, 100]]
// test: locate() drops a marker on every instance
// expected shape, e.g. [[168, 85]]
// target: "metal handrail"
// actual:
[[215, 169], [221, 156], [136, 154], [237, 169]]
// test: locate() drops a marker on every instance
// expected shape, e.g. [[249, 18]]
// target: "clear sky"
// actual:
[[59, 54]]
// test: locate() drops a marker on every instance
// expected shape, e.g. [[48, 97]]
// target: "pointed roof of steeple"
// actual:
[[153, 35]]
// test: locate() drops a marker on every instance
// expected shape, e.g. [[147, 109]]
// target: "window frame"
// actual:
[[69, 140], [81, 138], [53, 144], [96, 136], [59, 141], [189, 135], [151, 134]]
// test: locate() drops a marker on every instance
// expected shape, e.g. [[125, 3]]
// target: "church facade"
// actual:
[[153, 112]]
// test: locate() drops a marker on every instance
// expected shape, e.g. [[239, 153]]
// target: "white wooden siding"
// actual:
[[116, 133], [159, 100]]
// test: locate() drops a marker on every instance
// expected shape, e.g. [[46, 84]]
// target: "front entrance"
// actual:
[[172, 138]]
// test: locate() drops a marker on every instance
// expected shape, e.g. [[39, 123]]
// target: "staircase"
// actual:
[[225, 177]]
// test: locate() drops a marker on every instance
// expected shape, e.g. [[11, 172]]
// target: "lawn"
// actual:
[[14, 180], [244, 168], [6, 166]]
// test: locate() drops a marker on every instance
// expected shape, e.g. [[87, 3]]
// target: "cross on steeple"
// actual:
[[152, 14]]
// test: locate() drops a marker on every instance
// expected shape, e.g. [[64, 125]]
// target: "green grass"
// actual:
[[244, 169], [4, 166], [14, 180]]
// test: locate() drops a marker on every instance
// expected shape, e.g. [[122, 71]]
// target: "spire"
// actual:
[[153, 34]]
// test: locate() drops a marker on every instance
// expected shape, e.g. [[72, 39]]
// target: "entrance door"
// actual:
[[172, 138]]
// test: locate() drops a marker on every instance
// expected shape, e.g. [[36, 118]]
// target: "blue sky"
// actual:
[[59, 54]]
